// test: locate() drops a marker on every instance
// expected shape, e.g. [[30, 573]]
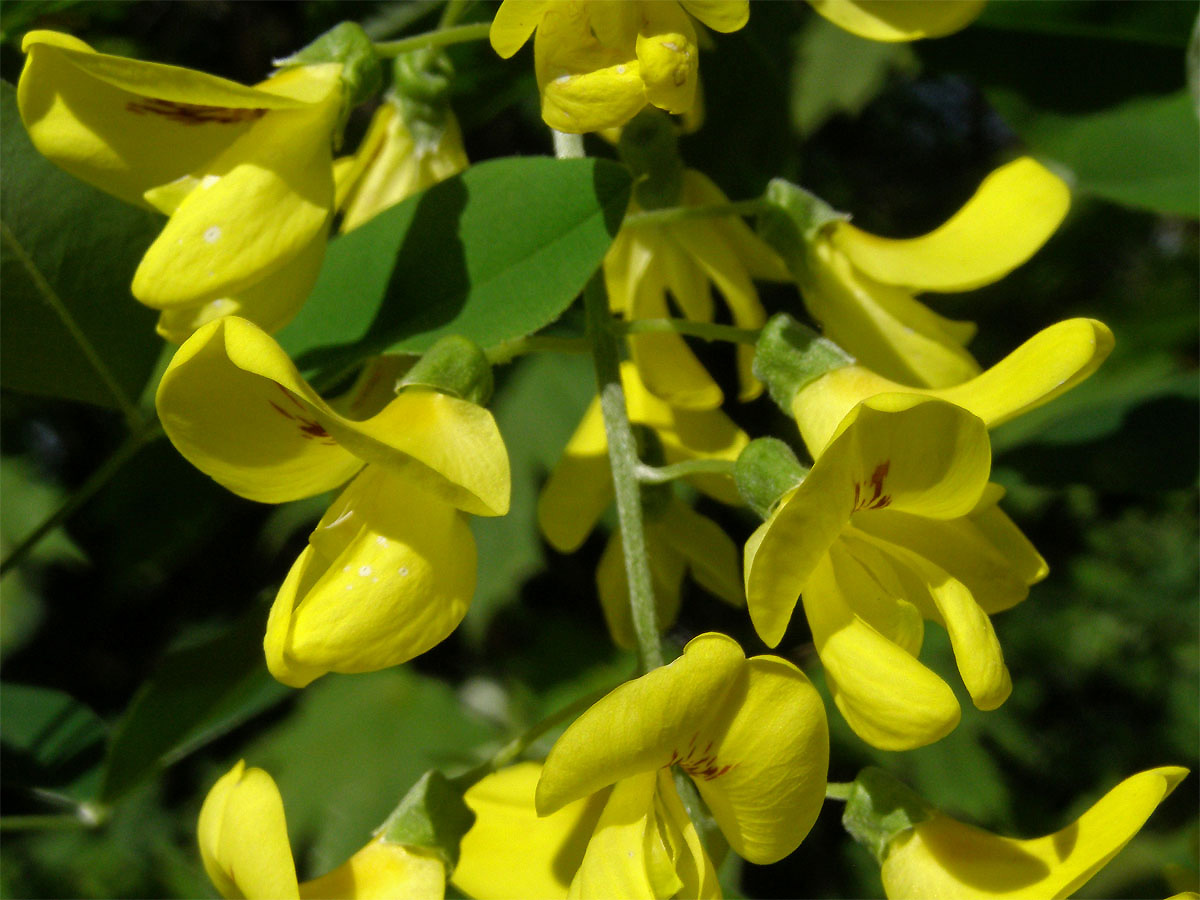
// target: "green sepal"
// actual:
[[790, 221], [348, 44], [765, 471], [455, 365], [880, 808], [789, 355], [433, 816], [649, 146], [421, 81]]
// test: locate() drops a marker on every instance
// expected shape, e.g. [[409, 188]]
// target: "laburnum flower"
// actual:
[[860, 286], [649, 267], [580, 487], [887, 20], [894, 525], [244, 173], [390, 569], [752, 735], [244, 846], [394, 162], [599, 62], [941, 858], [678, 540]]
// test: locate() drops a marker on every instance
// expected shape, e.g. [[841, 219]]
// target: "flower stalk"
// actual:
[[459, 34]]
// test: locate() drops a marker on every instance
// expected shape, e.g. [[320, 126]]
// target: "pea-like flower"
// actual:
[[244, 846], [860, 286], [886, 20], [894, 525], [390, 569], [395, 161], [598, 63], [649, 267], [752, 735], [943, 858], [244, 173]]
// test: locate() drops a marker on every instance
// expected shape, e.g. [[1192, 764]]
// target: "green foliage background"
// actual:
[[132, 668]]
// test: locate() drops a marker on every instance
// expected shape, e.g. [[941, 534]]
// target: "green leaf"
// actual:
[[51, 741], [199, 693], [69, 251], [492, 254]]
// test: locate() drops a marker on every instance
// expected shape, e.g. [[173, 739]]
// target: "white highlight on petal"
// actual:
[[365, 571], [381, 541], [403, 570], [212, 234], [209, 180]]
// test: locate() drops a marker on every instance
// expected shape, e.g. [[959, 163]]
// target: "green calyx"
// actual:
[[880, 808], [348, 44], [788, 356], [791, 220], [454, 365], [764, 472], [432, 815], [421, 81], [650, 147]]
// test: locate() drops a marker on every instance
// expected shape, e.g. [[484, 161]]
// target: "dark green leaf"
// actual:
[[493, 254], [51, 741], [69, 254], [199, 693]]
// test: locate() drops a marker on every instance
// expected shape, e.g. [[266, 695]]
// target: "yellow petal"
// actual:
[[243, 838], [887, 20], [515, 21], [257, 206], [580, 487], [1048, 364], [542, 863], [882, 325], [711, 555], [666, 575], [642, 725], [1010, 216], [669, 60], [616, 862], [389, 573], [943, 858], [719, 15], [880, 591], [381, 871], [125, 125], [887, 696], [763, 775], [760, 260]]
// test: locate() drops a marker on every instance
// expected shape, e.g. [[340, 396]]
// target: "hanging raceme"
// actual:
[[390, 569]]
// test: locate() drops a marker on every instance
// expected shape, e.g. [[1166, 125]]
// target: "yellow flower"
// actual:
[[943, 858], [580, 487], [394, 162], [390, 569], [599, 62], [678, 539], [752, 735], [684, 260], [244, 846], [895, 524], [887, 20], [244, 173], [860, 286]]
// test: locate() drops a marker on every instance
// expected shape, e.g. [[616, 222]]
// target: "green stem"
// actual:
[[452, 12], [512, 751], [671, 214], [567, 146], [623, 460], [132, 444], [838, 790], [660, 474], [507, 351], [56, 822], [708, 331], [459, 34]]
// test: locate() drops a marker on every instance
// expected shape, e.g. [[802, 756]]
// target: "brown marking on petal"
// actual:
[[192, 113], [878, 499], [310, 429], [703, 765]]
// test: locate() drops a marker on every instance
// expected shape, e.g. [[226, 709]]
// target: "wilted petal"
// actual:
[[887, 20], [942, 858], [1010, 216], [243, 838], [389, 573]]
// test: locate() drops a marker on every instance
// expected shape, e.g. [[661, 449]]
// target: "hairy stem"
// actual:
[[459, 34], [708, 331]]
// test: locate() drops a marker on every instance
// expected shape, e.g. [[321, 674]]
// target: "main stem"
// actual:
[[623, 460]]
